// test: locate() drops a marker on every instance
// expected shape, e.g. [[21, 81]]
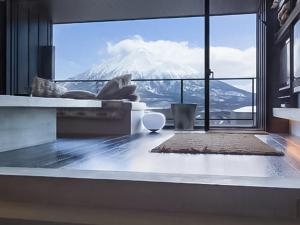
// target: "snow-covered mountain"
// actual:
[[147, 63], [142, 64]]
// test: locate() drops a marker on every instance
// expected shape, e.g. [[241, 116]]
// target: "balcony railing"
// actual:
[[222, 113]]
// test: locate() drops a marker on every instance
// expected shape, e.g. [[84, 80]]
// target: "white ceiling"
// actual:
[[68, 11]]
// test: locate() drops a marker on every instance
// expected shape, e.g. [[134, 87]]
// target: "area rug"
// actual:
[[216, 143]]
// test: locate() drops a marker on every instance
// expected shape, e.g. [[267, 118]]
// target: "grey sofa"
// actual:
[[114, 118]]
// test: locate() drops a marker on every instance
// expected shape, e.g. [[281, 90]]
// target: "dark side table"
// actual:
[[184, 116]]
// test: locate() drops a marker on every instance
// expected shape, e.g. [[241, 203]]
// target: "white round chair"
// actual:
[[154, 121]]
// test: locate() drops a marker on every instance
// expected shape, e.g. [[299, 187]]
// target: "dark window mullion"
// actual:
[[206, 64]]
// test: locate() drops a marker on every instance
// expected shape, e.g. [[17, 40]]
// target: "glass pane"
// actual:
[[232, 102], [193, 93], [233, 61], [233, 45], [232, 123], [158, 94]]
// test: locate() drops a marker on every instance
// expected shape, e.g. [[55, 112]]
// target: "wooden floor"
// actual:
[[132, 153]]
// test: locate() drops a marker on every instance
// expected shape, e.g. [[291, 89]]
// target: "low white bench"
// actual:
[[29, 121]]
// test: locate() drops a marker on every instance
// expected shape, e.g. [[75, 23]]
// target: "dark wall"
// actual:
[[29, 28], [274, 124], [261, 64], [2, 47]]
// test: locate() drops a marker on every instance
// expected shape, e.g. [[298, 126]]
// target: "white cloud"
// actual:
[[177, 58], [232, 62]]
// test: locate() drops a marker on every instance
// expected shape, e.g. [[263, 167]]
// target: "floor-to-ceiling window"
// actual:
[[166, 59]]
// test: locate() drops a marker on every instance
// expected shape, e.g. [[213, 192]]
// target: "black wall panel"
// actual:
[[270, 70], [29, 29], [33, 44], [2, 47], [23, 48], [261, 63]]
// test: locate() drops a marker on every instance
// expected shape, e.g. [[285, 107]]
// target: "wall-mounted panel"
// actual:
[[261, 65], [28, 30], [2, 47], [23, 48], [33, 44]]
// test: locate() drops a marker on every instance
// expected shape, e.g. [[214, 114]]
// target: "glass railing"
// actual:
[[232, 100]]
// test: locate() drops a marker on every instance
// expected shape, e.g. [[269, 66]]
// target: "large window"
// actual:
[[166, 59]]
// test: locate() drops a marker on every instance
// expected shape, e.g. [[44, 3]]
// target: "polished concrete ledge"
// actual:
[[287, 113], [24, 127], [276, 198], [38, 102], [291, 114], [240, 181]]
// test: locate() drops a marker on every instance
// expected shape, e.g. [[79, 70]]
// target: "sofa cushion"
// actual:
[[45, 88], [133, 97], [114, 85], [123, 93], [79, 95]]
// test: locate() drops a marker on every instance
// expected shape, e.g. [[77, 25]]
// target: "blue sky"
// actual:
[[79, 46]]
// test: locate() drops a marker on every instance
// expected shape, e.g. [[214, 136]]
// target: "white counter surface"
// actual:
[[38, 102], [287, 113]]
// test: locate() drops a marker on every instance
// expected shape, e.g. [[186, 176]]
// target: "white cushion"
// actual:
[[154, 121], [45, 88]]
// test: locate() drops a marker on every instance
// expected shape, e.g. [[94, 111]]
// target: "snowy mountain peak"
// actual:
[[137, 57]]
